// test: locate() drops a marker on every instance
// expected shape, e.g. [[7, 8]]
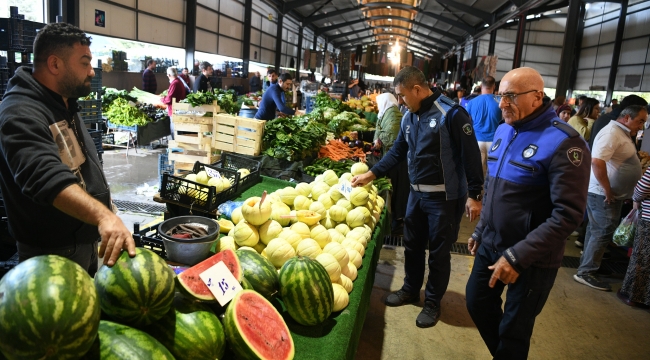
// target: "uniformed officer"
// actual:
[[444, 163], [535, 196]]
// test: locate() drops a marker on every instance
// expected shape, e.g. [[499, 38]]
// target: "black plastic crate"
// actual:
[[90, 111], [236, 162], [96, 135], [196, 195], [96, 82], [164, 167], [148, 238]]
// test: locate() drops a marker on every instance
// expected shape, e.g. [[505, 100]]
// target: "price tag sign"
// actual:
[[221, 283], [212, 173], [345, 188]]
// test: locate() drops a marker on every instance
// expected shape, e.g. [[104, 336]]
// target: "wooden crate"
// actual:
[[192, 135], [237, 134], [182, 107]]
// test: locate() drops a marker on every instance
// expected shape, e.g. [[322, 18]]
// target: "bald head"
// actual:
[[522, 91]]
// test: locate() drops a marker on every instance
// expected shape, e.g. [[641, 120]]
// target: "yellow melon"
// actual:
[[246, 234], [341, 298], [309, 247], [330, 264], [254, 213], [269, 231]]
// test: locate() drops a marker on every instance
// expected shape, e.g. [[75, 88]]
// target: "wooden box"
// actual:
[[237, 134]]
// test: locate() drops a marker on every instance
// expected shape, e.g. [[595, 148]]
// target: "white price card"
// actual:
[[212, 173], [345, 188], [221, 282]]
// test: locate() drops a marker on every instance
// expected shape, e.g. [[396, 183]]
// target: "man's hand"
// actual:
[[472, 246], [503, 271], [473, 209], [609, 196], [115, 237], [363, 179]]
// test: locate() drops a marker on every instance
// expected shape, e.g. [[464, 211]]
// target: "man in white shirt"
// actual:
[[615, 170]]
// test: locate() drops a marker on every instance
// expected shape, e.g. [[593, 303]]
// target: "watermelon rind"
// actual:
[[121, 342], [306, 290], [190, 331], [250, 312], [136, 291], [48, 309], [194, 286], [260, 273]]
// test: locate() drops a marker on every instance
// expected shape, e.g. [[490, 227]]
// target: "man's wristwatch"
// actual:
[[478, 197]]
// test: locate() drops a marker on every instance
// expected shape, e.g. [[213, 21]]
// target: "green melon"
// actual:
[[259, 272], [190, 331], [255, 329], [48, 309], [120, 342], [136, 291], [306, 290]]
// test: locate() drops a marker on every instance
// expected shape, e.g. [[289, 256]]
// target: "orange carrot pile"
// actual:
[[338, 150]]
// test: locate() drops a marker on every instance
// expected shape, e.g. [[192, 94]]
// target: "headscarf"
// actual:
[[561, 108], [384, 102]]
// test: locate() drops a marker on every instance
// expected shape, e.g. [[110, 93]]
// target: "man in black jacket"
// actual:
[[535, 196], [444, 162], [202, 83], [56, 196]]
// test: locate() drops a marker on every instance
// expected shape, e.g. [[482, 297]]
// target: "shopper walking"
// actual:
[[535, 196], [149, 83], [615, 171], [176, 92], [202, 82], [55, 192], [635, 290], [273, 99], [437, 139], [184, 76], [486, 116]]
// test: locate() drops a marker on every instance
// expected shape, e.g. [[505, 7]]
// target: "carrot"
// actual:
[[338, 150]]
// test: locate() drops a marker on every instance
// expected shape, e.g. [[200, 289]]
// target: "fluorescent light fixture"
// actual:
[[558, 11], [448, 72], [388, 7], [390, 19], [530, 16], [486, 25], [509, 21]]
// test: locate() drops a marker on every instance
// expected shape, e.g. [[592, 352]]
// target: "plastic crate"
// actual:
[[164, 167], [108, 139], [96, 135], [148, 238], [90, 111], [236, 162], [196, 195], [96, 82]]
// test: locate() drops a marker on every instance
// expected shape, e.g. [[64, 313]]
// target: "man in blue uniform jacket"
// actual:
[[444, 163], [273, 99], [535, 196]]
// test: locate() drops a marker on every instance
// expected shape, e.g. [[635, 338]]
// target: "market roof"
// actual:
[[425, 26]]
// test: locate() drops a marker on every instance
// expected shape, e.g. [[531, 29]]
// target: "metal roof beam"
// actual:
[[454, 23], [338, 36], [288, 6], [311, 19], [422, 46], [441, 42], [321, 31], [487, 17]]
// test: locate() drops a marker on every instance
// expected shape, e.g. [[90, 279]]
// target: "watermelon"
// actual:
[[120, 342], [192, 283], [306, 290], [48, 309], [136, 291], [190, 331], [259, 272], [255, 329]]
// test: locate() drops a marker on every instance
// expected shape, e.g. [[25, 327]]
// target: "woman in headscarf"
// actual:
[[564, 112]]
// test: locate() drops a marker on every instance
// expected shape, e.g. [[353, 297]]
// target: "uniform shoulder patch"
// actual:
[[467, 129], [575, 156], [565, 128]]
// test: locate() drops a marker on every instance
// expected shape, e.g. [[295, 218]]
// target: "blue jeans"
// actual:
[[603, 220], [434, 224], [506, 332]]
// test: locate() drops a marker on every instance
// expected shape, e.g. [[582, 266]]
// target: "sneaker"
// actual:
[[401, 297], [579, 243], [592, 281], [429, 315]]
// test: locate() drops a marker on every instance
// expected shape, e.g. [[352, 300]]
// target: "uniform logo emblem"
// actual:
[[495, 145], [433, 123], [529, 151], [467, 129], [408, 127], [575, 156]]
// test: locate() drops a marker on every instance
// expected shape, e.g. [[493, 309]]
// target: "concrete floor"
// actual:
[[576, 323]]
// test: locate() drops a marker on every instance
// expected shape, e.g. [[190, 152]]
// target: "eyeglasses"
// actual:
[[509, 98]]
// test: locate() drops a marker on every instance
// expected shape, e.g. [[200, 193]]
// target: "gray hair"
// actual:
[[410, 76], [172, 71], [632, 110]]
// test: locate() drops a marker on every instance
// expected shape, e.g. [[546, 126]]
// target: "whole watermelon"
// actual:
[[136, 291], [259, 272], [48, 309], [306, 290], [120, 342], [190, 331]]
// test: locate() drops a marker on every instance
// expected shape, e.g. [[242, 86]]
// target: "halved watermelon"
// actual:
[[191, 282], [256, 330]]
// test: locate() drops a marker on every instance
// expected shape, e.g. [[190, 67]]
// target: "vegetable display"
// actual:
[[120, 112], [293, 138], [111, 94], [226, 99]]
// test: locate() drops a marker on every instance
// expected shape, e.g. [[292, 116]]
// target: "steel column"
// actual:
[[568, 57], [246, 53], [493, 42], [519, 43], [299, 57], [460, 64], [278, 43], [617, 52], [190, 33]]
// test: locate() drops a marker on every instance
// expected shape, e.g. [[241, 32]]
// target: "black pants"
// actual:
[[86, 255], [506, 333], [431, 223]]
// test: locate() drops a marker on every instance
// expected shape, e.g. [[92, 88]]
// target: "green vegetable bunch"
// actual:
[[111, 94], [321, 165], [121, 113], [293, 138], [343, 122]]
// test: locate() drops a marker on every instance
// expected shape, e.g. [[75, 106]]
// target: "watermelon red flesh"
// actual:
[[194, 285], [256, 330]]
